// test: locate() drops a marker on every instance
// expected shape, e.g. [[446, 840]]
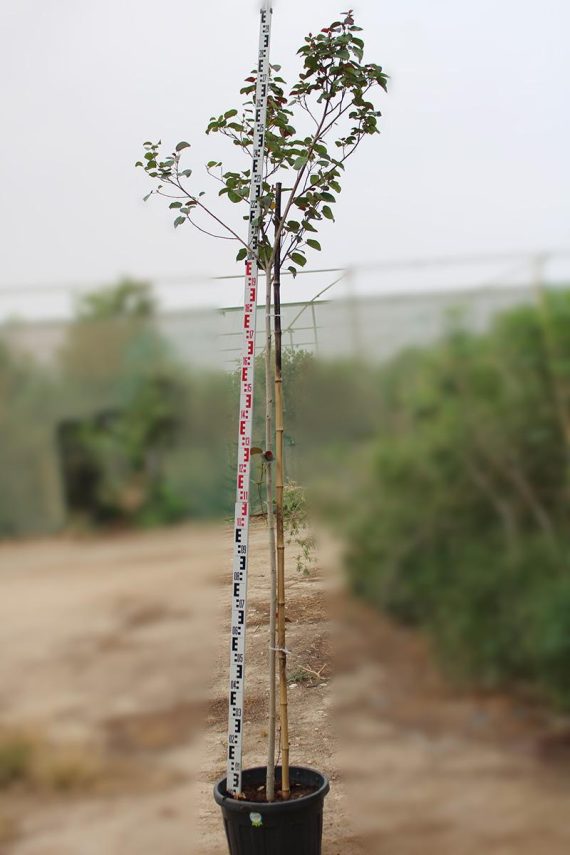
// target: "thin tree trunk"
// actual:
[[285, 788], [270, 776]]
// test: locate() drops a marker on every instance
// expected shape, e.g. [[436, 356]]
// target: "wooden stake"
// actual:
[[286, 787]]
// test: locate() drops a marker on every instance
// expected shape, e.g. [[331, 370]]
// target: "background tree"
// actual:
[[473, 424]]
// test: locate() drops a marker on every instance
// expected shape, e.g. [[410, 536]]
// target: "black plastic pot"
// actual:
[[294, 827]]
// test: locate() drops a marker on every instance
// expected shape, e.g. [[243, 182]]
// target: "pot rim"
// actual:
[[240, 806]]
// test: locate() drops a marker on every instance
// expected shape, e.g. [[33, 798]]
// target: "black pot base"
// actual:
[[275, 828]]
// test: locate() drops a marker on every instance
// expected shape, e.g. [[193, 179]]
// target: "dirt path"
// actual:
[[116, 648]]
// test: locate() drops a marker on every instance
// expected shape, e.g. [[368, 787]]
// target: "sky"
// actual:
[[472, 158]]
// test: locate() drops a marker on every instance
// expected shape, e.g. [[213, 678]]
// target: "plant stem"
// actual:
[[300, 174], [270, 776], [285, 788]]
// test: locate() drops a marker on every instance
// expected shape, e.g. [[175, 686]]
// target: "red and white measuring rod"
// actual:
[[241, 525]]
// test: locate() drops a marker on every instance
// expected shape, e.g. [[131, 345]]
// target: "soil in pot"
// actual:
[[258, 794]]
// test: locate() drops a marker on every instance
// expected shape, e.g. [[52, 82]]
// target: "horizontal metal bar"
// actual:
[[388, 264]]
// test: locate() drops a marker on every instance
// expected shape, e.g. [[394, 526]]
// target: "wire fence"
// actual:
[[371, 310], [60, 379]]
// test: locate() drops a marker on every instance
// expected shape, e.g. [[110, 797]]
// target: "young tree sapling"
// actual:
[[313, 128]]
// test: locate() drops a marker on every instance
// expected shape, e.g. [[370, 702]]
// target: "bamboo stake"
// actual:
[[286, 788], [270, 774]]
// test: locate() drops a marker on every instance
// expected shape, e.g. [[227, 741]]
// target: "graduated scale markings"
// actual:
[[247, 367]]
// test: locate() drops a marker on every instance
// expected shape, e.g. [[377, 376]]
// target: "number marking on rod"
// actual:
[[247, 365]]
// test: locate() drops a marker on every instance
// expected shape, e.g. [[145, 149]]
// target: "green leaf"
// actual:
[[292, 271], [314, 243], [328, 213], [175, 205], [139, 163], [233, 197], [178, 221], [186, 172], [241, 254], [230, 114], [298, 259], [148, 195], [293, 225], [182, 145], [300, 162]]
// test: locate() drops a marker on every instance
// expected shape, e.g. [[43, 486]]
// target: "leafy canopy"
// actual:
[[312, 129]]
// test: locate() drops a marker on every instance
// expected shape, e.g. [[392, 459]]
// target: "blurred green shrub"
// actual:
[[158, 452], [27, 407], [116, 429], [16, 751], [463, 524]]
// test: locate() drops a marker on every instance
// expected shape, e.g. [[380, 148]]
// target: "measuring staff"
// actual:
[[247, 365]]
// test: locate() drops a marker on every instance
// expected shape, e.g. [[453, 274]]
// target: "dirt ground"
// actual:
[[114, 667]]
